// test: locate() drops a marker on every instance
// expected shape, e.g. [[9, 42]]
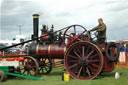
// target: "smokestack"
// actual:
[[35, 26]]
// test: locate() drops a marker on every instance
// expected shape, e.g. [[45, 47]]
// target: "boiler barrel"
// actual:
[[54, 51]]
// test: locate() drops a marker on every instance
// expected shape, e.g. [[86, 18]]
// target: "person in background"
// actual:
[[122, 53], [0, 53], [126, 52]]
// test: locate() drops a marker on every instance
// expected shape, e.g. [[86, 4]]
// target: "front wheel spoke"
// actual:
[[42, 70], [28, 72], [33, 69], [24, 71], [47, 65], [33, 66], [45, 68], [79, 72]]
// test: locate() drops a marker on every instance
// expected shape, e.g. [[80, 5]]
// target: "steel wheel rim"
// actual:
[[83, 68]]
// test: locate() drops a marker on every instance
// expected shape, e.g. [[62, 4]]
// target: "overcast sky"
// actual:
[[62, 13]]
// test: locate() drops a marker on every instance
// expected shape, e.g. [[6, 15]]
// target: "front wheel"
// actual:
[[45, 65], [30, 66], [2, 76]]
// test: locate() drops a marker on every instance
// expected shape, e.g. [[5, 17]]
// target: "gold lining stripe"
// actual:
[[64, 50], [49, 47], [37, 49], [35, 16]]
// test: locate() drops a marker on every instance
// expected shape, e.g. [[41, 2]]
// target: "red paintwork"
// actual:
[[108, 66], [20, 59], [0, 59], [46, 36], [10, 59], [52, 50]]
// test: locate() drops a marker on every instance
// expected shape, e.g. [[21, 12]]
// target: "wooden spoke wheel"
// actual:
[[30, 66], [76, 33], [2, 76], [84, 60], [45, 65]]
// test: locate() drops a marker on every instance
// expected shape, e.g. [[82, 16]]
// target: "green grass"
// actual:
[[54, 78]]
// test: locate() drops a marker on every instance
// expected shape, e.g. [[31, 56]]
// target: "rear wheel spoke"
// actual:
[[76, 54], [87, 50], [83, 48], [90, 53], [84, 71], [73, 57], [93, 61], [73, 65], [79, 72], [93, 56], [76, 69], [88, 71], [74, 61], [94, 65]]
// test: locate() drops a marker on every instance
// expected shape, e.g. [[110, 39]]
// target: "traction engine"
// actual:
[[83, 57]]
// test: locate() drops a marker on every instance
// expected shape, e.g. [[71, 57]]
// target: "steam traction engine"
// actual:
[[83, 57]]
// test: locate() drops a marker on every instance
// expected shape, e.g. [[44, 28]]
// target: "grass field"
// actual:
[[54, 78]]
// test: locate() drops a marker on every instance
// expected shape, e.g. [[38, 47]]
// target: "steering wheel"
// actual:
[[94, 34]]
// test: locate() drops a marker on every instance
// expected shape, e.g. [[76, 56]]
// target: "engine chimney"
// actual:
[[35, 26]]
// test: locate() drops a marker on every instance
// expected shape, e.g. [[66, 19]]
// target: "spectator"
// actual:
[[126, 53], [122, 53], [0, 53]]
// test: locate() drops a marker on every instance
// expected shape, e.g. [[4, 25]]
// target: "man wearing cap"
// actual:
[[101, 30]]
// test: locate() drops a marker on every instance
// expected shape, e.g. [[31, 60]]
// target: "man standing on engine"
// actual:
[[101, 30]]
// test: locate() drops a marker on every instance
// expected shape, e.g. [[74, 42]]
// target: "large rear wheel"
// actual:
[[84, 60]]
